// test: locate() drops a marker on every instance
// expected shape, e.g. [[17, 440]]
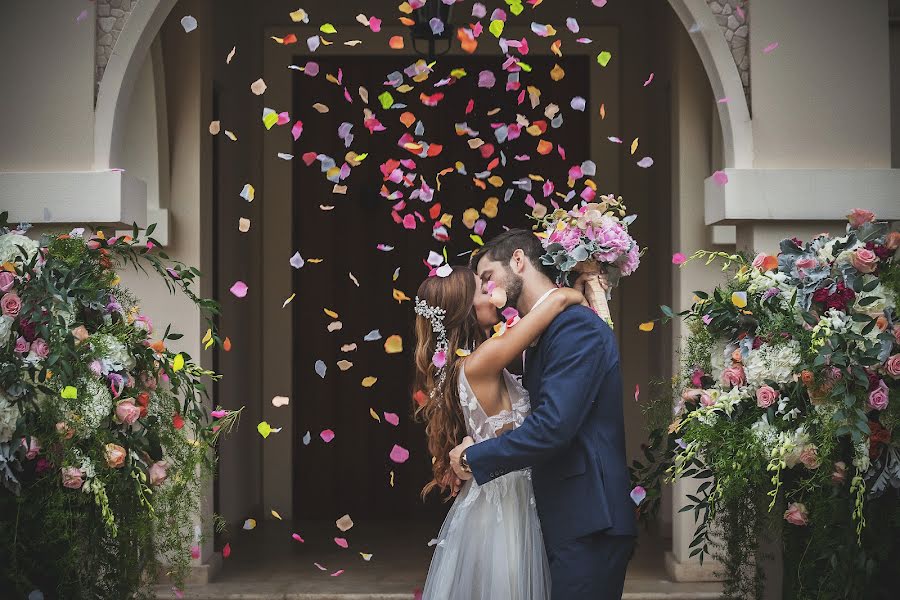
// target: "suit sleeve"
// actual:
[[578, 353]]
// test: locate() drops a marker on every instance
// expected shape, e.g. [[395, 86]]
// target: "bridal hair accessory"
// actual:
[[435, 315]]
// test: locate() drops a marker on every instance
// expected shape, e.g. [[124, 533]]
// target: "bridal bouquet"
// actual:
[[103, 428], [789, 397], [592, 238]]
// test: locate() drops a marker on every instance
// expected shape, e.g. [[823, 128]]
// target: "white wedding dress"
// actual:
[[490, 546]]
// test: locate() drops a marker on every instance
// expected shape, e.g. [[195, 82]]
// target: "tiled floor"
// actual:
[[267, 564]]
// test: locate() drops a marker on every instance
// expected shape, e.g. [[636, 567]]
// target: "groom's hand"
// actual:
[[455, 455]]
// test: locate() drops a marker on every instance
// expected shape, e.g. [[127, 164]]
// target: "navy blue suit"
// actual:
[[574, 441]]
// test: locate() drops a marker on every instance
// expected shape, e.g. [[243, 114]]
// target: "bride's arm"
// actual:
[[492, 356]]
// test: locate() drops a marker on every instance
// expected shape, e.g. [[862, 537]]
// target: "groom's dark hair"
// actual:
[[501, 248]]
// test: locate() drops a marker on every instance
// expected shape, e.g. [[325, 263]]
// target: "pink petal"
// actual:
[[678, 258], [720, 177], [770, 47], [638, 494], [509, 312], [195, 552], [599, 3], [649, 80], [327, 435], [337, 573], [341, 542], [297, 537], [392, 418], [439, 359], [239, 289], [297, 129], [409, 222], [637, 392], [399, 454]]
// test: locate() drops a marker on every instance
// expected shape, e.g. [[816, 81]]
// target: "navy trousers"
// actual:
[[591, 567]]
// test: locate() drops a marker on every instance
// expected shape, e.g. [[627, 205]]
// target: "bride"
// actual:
[[490, 545]]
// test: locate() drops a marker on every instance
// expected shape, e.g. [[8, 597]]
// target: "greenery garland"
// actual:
[[106, 436]]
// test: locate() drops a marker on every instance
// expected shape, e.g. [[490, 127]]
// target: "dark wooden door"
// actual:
[[351, 474]]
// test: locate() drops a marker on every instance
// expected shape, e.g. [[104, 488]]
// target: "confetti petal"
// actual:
[[637, 495], [720, 177], [603, 58], [770, 47], [393, 344], [189, 23], [647, 326], [321, 368], [297, 537], [327, 435], [678, 258], [258, 87], [345, 523], [645, 163], [239, 289], [279, 401], [399, 454], [264, 429], [392, 418], [369, 381], [249, 524]]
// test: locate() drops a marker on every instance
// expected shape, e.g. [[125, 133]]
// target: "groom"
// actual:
[[574, 440]]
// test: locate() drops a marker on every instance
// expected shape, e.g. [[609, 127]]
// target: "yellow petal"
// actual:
[[557, 73], [648, 326], [399, 296], [369, 381], [327, 28], [393, 344], [634, 145], [330, 313], [178, 362], [276, 515], [264, 429], [477, 239], [392, 479], [69, 393], [739, 299], [462, 352], [374, 415], [288, 301], [469, 217]]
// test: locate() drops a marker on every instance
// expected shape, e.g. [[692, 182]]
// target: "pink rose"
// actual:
[[860, 216], [64, 430], [759, 261], [32, 447], [806, 263], [892, 366], [72, 478], [809, 457], [878, 398], [864, 260], [80, 333], [40, 347], [796, 514], [115, 455], [143, 322], [10, 304], [127, 412], [766, 396], [22, 345], [7, 281], [697, 377], [839, 475], [734, 376], [158, 472]]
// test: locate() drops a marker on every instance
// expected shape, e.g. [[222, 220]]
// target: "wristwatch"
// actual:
[[463, 463]]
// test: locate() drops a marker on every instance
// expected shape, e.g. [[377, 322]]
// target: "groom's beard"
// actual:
[[514, 284]]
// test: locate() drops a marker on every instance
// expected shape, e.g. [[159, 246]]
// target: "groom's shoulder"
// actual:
[[579, 316]]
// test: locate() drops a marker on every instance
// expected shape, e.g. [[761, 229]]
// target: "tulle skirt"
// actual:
[[490, 546]]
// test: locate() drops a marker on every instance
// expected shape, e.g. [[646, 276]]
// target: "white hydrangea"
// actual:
[[9, 414], [760, 282], [9, 250], [117, 357], [6, 322], [884, 298], [765, 433], [96, 404], [773, 362]]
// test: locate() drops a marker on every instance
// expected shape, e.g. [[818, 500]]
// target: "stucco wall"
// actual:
[[47, 75]]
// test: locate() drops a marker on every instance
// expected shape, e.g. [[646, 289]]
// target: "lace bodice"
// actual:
[[478, 424]]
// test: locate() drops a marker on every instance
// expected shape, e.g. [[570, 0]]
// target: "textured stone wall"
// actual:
[[111, 16], [733, 17]]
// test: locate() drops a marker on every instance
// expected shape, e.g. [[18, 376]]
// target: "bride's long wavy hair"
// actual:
[[441, 411]]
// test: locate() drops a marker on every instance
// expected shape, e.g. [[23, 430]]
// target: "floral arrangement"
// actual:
[[592, 238], [786, 406], [103, 430]]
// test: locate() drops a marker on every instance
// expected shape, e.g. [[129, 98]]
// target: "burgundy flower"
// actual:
[[840, 299], [27, 329], [882, 252]]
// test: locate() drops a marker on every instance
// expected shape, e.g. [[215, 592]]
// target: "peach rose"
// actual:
[[72, 477], [839, 475], [158, 472], [115, 455], [64, 430], [809, 457], [766, 396], [80, 334], [864, 260], [127, 412], [892, 366], [860, 216], [892, 241], [796, 514]]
